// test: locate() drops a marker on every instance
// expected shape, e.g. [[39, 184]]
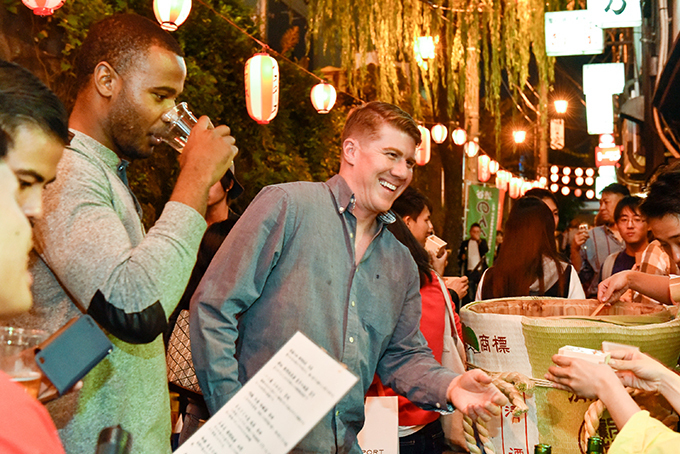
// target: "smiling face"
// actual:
[[667, 231], [15, 244], [33, 156], [378, 169], [143, 93]]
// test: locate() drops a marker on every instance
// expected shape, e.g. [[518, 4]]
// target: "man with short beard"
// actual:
[[94, 255]]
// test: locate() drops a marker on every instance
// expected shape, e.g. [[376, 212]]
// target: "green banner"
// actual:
[[482, 208]]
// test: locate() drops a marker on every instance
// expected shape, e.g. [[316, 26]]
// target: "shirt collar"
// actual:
[[345, 199], [82, 141]]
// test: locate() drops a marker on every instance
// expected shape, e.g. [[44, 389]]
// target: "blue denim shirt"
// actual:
[[287, 265]]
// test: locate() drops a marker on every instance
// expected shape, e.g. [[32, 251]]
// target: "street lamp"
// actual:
[[519, 136], [561, 106]]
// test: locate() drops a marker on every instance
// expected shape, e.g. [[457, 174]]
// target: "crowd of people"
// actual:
[[343, 261]]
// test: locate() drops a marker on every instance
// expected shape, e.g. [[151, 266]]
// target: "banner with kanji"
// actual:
[[482, 208]]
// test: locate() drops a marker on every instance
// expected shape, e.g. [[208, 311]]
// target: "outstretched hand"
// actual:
[[637, 370], [581, 377], [473, 394], [611, 289]]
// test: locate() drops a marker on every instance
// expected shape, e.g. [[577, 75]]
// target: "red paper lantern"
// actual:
[[43, 7], [171, 13], [423, 150], [262, 88], [323, 97]]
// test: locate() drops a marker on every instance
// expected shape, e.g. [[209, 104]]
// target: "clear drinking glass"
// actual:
[[17, 356], [179, 122]]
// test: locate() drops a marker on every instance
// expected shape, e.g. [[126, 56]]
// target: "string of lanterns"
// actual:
[[262, 102], [486, 167]]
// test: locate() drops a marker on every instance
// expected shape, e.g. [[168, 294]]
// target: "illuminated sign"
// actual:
[[572, 33], [608, 156]]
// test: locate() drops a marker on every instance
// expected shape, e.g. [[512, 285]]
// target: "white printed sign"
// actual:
[[278, 406]]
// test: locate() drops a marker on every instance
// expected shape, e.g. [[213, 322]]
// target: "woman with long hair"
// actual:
[[528, 263]]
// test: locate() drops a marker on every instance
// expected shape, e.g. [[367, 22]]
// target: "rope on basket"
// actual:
[[511, 384]]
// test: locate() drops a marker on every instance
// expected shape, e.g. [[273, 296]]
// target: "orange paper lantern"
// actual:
[[262, 88]]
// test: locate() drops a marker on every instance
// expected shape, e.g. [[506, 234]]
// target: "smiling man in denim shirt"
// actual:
[[316, 258]]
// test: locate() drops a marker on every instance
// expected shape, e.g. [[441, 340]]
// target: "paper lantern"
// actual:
[[171, 13], [483, 173], [43, 7], [493, 167], [459, 136], [262, 88], [503, 178], [515, 187], [423, 150], [323, 97], [439, 133], [471, 149]]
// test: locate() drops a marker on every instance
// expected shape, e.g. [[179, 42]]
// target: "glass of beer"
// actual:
[[17, 356]]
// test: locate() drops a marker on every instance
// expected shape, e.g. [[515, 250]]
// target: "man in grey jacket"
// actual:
[[94, 255]]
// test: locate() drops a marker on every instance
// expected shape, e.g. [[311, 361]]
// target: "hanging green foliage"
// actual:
[[506, 32]]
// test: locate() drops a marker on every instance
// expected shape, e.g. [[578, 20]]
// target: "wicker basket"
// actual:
[[522, 334]]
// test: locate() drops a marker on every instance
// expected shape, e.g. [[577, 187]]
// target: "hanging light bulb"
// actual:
[[323, 97], [423, 150], [262, 88], [43, 7], [171, 13], [471, 149], [459, 136], [439, 133]]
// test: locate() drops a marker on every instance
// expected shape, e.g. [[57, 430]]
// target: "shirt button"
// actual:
[[353, 304], [337, 412], [351, 340], [351, 235], [438, 405]]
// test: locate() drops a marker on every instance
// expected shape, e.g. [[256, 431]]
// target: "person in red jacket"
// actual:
[[421, 431]]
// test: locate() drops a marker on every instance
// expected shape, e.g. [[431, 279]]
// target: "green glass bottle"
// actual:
[[542, 448], [595, 445]]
